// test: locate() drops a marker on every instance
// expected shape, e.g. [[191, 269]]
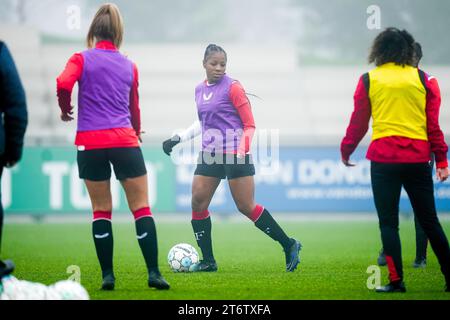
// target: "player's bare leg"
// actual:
[[203, 189], [100, 194], [136, 191], [243, 192]]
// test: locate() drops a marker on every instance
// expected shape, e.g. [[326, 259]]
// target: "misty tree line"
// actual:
[[341, 27], [332, 31]]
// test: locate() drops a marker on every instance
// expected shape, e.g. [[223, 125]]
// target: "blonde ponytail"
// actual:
[[106, 25]]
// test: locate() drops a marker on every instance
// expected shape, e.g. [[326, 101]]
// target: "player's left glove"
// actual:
[[170, 143]]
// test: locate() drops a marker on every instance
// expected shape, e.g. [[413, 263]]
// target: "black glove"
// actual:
[[170, 143]]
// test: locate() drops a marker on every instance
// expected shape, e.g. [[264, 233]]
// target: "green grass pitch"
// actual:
[[335, 258]]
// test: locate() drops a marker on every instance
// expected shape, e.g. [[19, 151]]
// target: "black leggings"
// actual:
[[1, 210], [421, 240], [416, 178]]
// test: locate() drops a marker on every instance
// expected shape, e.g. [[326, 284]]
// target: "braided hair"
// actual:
[[212, 48]]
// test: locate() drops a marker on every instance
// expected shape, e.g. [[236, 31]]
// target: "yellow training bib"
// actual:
[[398, 100]]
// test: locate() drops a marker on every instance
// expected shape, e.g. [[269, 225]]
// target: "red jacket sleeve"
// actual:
[[66, 80], [135, 111], [435, 135], [359, 121], [240, 102]]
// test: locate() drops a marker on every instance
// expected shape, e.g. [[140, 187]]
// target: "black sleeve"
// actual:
[[422, 78], [13, 106], [366, 81]]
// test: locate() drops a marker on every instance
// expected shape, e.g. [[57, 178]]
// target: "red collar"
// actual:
[[105, 44]]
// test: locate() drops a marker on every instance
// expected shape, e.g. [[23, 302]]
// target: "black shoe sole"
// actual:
[[208, 268], [159, 286], [108, 283], [108, 286], [393, 291], [390, 289], [419, 265]]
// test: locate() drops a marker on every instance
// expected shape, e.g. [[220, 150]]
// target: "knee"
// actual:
[[386, 226], [198, 202], [245, 208], [102, 207], [136, 205], [388, 217], [102, 204], [427, 222]]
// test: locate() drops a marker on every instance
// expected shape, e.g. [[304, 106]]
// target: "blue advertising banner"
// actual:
[[305, 179], [293, 179]]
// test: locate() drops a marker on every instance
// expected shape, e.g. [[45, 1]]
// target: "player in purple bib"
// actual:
[[227, 127], [108, 134], [220, 120]]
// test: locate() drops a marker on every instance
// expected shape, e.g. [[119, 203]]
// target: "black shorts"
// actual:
[[95, 164], [224, 166]]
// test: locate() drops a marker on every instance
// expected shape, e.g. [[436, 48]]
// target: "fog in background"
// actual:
[[302, 57]]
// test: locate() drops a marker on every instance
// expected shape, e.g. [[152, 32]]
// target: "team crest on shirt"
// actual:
[[207, 97]]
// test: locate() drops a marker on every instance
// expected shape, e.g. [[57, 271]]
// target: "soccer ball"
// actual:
[[182, 257]]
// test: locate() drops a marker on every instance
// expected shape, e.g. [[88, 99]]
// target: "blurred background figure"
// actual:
[[13, 123]]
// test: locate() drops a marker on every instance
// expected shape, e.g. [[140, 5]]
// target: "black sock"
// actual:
[[202, 232], [103, 239], [267, 224], [146, 235]]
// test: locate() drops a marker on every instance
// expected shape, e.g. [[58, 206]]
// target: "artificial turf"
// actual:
[[334, 260]]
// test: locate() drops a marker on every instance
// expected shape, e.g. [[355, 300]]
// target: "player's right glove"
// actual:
[[170, 143]]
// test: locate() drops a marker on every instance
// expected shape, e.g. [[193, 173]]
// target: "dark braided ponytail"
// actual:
[[212, 48]]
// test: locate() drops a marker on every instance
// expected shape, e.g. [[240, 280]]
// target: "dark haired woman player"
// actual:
[[227, 127], [404, 105], [421, 238]]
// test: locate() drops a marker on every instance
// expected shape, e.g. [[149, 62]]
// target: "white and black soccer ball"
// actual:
[[182, 257]]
